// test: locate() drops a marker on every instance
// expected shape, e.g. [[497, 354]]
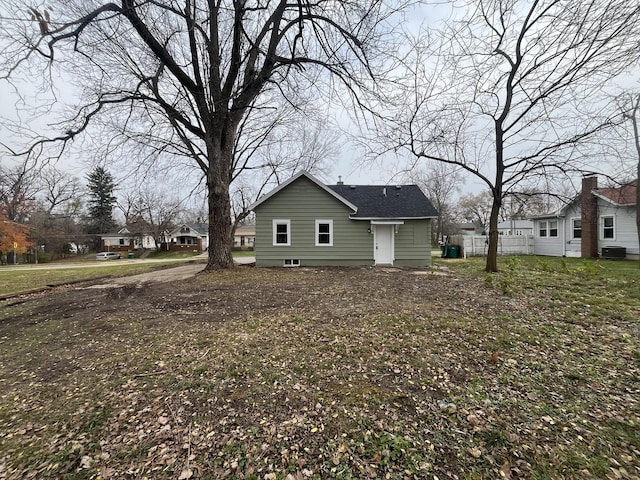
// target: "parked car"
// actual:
[[108, 256]]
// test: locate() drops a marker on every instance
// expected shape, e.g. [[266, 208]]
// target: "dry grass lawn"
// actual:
[[329, 373]]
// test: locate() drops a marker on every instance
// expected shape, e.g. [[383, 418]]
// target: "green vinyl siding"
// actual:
[[413, 244], [421, 233], [302, 203]]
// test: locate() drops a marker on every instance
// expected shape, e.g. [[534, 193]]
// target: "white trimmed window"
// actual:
[[548, 228], [576, 228], [542, 230], [608, 227], [324, 233], [281, 232]]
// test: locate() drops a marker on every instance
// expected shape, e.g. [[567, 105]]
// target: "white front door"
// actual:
[[383, 244]]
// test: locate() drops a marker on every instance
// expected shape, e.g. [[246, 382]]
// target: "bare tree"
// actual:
[[57, 188], [181, 76], [630, 105], [267, 152], [475, 208], [528, 202], [510, 92], [440, 183], [18, 189]]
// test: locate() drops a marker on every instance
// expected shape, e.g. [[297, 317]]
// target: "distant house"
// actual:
[[468, 229], [125, 239], [598, 222], [188, 236], [515, 227], [245, 236], [305, 222]]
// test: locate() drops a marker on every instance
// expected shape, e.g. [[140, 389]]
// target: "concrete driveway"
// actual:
[[171, 274], [110, 263]]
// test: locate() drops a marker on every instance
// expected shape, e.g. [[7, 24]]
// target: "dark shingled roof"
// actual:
[[380, 201]]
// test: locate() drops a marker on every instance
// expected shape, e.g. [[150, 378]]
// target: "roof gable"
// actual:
[[370, 201], [194, 228], [306, 174]]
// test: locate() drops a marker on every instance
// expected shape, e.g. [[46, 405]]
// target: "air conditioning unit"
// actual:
[[614, 253]]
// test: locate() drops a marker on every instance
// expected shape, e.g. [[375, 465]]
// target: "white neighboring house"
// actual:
[[515, 227], [598, 222], [189, 236], [124, 240]]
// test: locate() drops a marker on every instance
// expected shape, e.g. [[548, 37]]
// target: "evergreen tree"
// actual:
[[101, 201]]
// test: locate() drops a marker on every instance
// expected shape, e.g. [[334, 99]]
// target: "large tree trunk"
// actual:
[[220, 226]]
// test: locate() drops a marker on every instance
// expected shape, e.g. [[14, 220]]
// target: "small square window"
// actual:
[[324, 233], [282, 232]]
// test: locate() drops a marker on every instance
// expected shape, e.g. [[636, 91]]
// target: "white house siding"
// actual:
[[515, 227], [146, 241], [626, 234], [552, 246], [573, 246], [116, 241]]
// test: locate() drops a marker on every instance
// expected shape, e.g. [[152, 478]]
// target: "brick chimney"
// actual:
[[589, 206]]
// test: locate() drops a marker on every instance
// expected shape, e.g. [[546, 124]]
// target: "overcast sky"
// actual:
[[349, 165]]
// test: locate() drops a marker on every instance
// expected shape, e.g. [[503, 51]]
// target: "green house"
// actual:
[[305, 222]]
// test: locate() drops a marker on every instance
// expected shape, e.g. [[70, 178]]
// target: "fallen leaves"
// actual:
[[315, 374], [186, 474]]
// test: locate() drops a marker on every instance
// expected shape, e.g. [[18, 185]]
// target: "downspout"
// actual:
[[564, 236]]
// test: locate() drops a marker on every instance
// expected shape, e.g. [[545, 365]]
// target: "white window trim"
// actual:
[[274, 224], [602, 217], [557, 229], [573, 228], [546, 229], [321, 221]]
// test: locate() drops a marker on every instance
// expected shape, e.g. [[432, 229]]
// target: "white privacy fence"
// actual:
[[476, 245]]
